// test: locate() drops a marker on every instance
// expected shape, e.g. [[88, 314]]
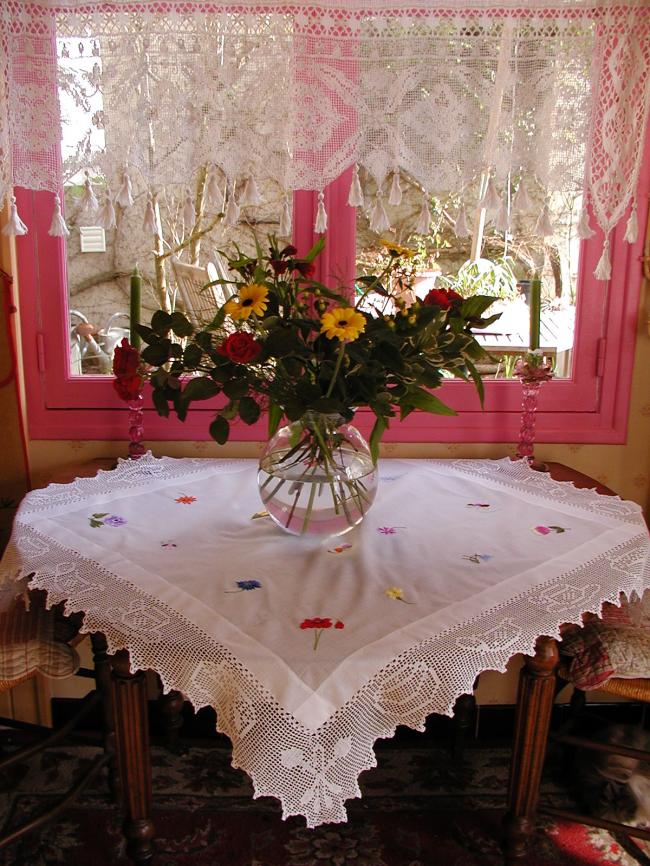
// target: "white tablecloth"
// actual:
[[311, 649]]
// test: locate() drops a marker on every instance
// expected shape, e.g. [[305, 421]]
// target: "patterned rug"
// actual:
[[419, 808]]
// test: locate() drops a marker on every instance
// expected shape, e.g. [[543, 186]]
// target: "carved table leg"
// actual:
[[103, 682], [133, 757], [171, 710], [464, 715], [534, 705]]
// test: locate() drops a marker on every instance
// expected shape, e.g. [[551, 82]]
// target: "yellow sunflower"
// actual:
[[397, 250], [252, 299], [344, 323]]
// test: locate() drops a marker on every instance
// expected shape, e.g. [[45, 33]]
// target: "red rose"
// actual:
[[278, 266], [306, 269], [241, 347], [443, 298], [128, 387], [126, 359]]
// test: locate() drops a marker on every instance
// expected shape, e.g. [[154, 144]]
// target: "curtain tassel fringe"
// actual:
[[521, 202], [491, 200], [106, 214], [585, 231], [461, 227], [395, 196], [231, 217], [604, 267], [502, 221], [250, 194], [212, 191], [543, 226], [124, 195], [355, 197], [58, 228], [379, 221], [189, 213], [632, 228], [89, 203], [423, 226], [321, 215], [285, 218], [149, 222], [14, 226]]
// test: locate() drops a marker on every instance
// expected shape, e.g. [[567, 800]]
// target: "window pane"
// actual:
[[505, 267]]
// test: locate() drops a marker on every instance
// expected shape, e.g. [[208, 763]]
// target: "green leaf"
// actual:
[[235, 389], [180, 325], [476, 305], [220, 430], [192, 356], [201, 388], [157, 354], [160, 402], [249, 410], [420, 399], [315, 250], [328, 405], [161, 323], [478, 381], [147, 334], [381, 424], [181, 405], [389, 356], [275, 416], [204, 340], [217, 322]]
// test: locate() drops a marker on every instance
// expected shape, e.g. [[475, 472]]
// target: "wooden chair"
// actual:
[[200, 303], [34, 640]]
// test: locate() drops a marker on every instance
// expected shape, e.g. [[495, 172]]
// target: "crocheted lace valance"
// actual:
[[492, 103]]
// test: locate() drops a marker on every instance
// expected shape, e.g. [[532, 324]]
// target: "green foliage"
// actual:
[[268, 346], [483, 277]]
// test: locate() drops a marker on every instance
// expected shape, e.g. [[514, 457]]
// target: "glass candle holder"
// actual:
[[136, 427]]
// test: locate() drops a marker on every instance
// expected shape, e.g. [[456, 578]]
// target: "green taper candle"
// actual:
[[535, 311], [134, 312]]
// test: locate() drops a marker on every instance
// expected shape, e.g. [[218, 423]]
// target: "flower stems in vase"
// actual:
[[531, 370]]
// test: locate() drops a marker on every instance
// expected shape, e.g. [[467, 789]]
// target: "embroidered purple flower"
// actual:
[[245, 586], [547, 530], [103, 518], [478, 558], [115, 520], [389, 530], [478, 504]]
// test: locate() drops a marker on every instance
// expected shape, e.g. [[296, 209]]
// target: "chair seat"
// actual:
[[32, 641]]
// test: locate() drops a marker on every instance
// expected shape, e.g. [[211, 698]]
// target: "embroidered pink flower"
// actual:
[[389, 530], [547, 530]]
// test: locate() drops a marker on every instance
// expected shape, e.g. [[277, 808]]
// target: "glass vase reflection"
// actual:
[[317, 477]]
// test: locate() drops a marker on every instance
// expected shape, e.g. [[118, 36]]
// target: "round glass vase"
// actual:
[[317, 477]]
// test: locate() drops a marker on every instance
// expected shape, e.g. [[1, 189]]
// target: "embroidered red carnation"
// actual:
[[317, 622], [240, 347], [443, 298]]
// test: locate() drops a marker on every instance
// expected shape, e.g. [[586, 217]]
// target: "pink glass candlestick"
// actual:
[[136, 427], [531, 370]]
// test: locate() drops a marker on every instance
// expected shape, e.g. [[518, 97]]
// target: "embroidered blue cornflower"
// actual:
[[249, 584]]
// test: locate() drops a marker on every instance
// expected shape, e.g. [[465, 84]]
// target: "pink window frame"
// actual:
[[591, 406]]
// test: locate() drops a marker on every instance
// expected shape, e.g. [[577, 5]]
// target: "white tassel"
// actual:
[[379, 221], [502, 221], [231, 217], [461, 228], [189, 214], [285, 218], [14, 226], [149, 222], [124, 195], [423, 226], [395, 196], [491, 200], [321, 215], [106, 214], [604, 267], [585, 231], [89, 202], [250, 193], [212, 190], [632, 228], [58, 228], [543, 226], [355, 197], [521, 202]]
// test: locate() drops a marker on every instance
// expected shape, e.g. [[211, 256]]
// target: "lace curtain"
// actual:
[[489, 104]]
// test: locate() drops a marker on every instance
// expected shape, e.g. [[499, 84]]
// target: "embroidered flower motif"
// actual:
[[320, 624], [478, 504], [478, 558], [106, 519], [547, 530], [168, 544], [397, 594], [340, 549], [389, 530], [260, 514], [186, 500], [245, 586]]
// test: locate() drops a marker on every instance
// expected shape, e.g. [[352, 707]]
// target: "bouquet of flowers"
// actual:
[[286, 344]]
